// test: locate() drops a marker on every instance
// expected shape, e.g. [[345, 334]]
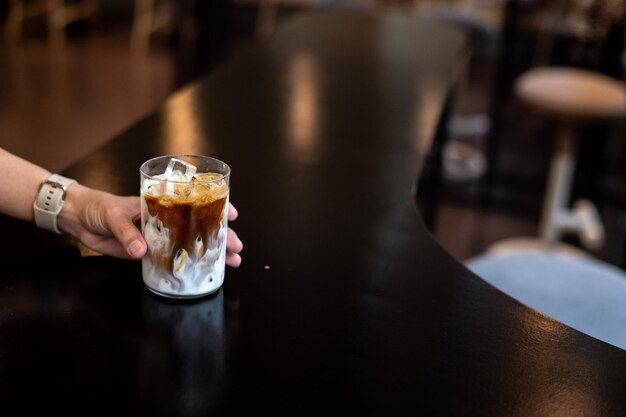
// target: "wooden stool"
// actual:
[[573, 97]]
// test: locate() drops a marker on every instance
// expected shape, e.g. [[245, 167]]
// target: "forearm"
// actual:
[[19, 185]]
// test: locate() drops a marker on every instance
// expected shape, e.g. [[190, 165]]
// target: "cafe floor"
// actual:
[[56, 106]]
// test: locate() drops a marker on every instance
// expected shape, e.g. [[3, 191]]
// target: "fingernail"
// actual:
[[134, 249]]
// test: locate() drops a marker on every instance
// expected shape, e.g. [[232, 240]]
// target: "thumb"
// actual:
[[127, 234]]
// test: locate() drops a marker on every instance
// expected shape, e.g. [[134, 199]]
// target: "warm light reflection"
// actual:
[[426, 89], [563, 400], [573, 395], [428, 112], [549, 330], [183, 132], [303, 112]]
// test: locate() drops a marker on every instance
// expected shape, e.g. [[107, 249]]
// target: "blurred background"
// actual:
[[73, 73]]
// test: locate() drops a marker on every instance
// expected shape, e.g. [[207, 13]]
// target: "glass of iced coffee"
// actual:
[[184, 219]]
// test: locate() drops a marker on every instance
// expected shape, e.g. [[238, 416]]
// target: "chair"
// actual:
[[58, 14], [268, 10], [150, 16], [481, 22], [584, 293]]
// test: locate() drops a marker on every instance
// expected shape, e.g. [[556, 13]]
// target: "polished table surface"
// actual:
[[345, 303]]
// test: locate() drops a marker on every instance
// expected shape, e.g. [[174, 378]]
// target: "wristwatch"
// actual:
[[50, 200]]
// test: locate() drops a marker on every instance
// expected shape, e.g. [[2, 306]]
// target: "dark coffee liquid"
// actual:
[[186, 221]]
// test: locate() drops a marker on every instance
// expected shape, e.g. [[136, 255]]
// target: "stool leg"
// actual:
[[14, 21], [559, 187], [142, 28], [266, 18], [56, 22]]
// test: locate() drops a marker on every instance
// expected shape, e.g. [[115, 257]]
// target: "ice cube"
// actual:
[[178, 170], [195, 191], [151, 187], [170, 187], [176, 175]]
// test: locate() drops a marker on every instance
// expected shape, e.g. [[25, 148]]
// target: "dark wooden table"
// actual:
[[345, 304]]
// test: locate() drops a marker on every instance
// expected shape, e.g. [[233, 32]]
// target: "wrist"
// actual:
[[68, 219]]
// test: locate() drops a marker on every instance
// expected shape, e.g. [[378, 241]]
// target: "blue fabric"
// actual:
[[586, 294]]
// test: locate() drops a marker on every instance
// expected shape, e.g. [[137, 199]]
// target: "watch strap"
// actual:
[[50, 200]]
